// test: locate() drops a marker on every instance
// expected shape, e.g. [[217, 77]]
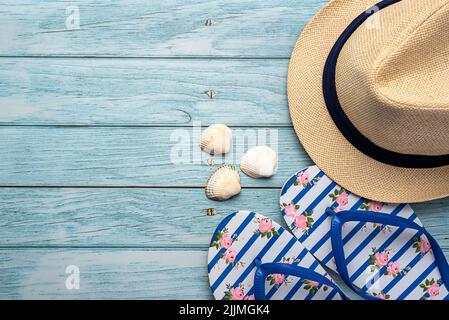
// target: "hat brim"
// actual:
[[320, 137]]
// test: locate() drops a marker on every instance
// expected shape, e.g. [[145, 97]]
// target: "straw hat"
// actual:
[[368, 90]]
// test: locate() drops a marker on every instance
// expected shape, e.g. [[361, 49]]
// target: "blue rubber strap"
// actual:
[[265, 269], [341, 217]]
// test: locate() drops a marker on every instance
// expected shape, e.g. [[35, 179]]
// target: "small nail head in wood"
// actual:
[[211, 93]]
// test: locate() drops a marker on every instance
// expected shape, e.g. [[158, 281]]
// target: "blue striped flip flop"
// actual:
[[252, 257], [381, 251]]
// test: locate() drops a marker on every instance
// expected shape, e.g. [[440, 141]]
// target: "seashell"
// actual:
[[216, 139], [259, 162], [223, 184]]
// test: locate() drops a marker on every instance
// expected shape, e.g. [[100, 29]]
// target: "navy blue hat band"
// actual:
[[344, 124]]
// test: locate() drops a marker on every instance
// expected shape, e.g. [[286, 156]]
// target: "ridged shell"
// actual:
[[259, 162], [216, 139], [223, 184]]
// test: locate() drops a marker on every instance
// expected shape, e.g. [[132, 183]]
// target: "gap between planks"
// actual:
[[128, 187], [143, 126], [197, 248], [144, 57]]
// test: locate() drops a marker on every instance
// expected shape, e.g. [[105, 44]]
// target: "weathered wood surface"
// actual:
[[89, 118], [100, 156], [143, 92], [104, 274], [135, 217], [107, 274], [153, 28], [119, 217]]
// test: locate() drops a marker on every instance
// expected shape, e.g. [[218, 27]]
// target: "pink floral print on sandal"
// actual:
[[383, 261], [245, 242]]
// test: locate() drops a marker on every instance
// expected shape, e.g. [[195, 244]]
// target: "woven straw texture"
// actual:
[[390, 78]]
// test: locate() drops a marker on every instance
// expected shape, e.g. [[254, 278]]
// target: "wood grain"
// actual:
[[104, 274], [143, 92], [143, 218], [91, 117], [130, 156], [119, 217], [151, 28], [108, 274]]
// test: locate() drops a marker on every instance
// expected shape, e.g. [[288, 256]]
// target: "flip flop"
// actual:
[[253, 258], [381, 251]]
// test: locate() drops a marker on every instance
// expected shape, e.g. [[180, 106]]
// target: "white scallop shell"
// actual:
[[223, 184], [259, 162], [216, 139]]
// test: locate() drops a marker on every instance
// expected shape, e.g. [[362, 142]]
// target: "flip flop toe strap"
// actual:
[[341, 217], [265, 269]]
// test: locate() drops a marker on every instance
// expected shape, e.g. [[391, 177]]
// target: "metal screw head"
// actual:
[[211, 93]]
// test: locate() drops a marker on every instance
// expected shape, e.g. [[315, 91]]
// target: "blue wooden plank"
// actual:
[[122, 217], [131, 156], [143, 92], [139, 217], [153, 28], [106, 274], [103, 274]]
